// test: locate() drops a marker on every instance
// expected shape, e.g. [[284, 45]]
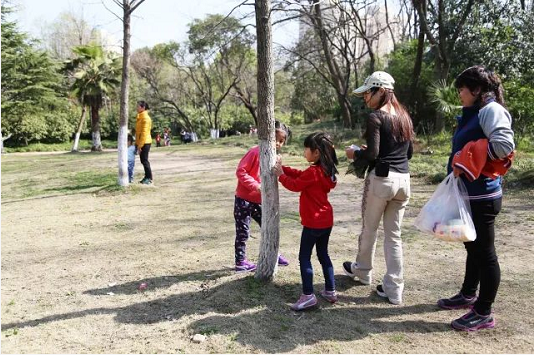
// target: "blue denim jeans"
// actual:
[[319, 237], [131, 165]]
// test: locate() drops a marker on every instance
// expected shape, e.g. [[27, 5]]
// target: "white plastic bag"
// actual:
[[447, 215]]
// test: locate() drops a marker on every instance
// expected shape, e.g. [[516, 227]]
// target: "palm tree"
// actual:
[[95, 73]]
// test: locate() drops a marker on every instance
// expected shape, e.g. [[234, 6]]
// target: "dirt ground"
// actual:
[[74, 256]]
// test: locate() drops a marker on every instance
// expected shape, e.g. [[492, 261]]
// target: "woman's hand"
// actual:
[[349, 152]]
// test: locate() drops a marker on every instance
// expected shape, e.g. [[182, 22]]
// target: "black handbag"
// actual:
[[360, 167]]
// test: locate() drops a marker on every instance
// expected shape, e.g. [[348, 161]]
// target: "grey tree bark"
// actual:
[[270, 217], [128, 6]]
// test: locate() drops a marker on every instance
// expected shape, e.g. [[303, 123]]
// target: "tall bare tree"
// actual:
[[442, 26], [270, 217], [170, 88], [128, 7], [348, 35]]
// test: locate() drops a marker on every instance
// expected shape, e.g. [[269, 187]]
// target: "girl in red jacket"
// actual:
[[316, 214], [248, 200]]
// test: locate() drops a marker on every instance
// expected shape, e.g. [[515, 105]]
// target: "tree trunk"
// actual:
[[388, 24], [122, 142], [2, 139], [333, 68], [418, 64], [246, 100], [270, 217], [79, 130], [95, 130]]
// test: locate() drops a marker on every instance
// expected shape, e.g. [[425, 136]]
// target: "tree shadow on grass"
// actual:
[[130, 288], [257, 314], [275, 328]]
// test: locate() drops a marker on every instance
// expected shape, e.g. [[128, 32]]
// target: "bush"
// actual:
[[400, 66], [519, 99]]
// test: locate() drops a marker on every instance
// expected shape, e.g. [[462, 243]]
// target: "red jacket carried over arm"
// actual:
[[473, 160]]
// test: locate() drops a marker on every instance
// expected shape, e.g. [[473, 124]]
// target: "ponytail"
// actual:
[[401, 123], [327, 153], [143, 104], [489, 83]]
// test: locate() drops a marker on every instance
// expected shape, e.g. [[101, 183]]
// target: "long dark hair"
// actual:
[[327, 153], [401, 123], [143, 104], [279, 126], [478, 77]]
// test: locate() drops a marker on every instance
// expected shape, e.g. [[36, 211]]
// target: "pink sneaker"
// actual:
[[330, 296], [304, 302]]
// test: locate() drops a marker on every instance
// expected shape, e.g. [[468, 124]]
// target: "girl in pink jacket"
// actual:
[[247, 204]]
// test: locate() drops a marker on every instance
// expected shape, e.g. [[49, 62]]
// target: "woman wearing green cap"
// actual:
[[389, 134]]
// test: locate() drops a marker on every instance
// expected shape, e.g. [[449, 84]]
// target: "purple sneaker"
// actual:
[[282, 261], [244, 265], [472, 321], [304, 302], [457, 301]]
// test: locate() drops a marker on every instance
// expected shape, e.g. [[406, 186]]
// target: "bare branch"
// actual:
[[114, 14]]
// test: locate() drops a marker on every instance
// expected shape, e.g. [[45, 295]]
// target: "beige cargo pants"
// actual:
[[383, 198]]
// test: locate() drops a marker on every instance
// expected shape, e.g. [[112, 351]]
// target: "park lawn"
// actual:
[[75, 248]]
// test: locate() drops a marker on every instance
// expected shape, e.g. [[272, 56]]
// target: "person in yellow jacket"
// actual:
[[143, 139]]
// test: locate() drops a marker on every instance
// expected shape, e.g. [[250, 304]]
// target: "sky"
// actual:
[[154, 21]]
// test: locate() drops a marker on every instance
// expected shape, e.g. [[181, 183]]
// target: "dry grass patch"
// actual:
[[73, 258]]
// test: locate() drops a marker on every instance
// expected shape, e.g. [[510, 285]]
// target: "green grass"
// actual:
[[58, 147], [67, 179], [431, 153]]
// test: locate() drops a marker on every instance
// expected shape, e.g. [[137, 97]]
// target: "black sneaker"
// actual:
[[142, 180], [380, 292], [472, 321], [457, 301], [347, 268]]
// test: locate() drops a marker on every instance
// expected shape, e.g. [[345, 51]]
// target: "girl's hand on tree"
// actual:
[[277, 169]]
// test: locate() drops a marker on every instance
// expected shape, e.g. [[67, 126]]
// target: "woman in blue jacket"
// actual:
[[484, 116]]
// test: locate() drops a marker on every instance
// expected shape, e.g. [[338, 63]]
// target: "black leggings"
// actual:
[[144, 160], [482, 265]]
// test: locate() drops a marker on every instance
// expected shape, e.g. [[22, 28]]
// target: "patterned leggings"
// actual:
[[243, 212]]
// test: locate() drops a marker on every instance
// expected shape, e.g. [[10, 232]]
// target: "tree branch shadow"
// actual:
[[257, 314]]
